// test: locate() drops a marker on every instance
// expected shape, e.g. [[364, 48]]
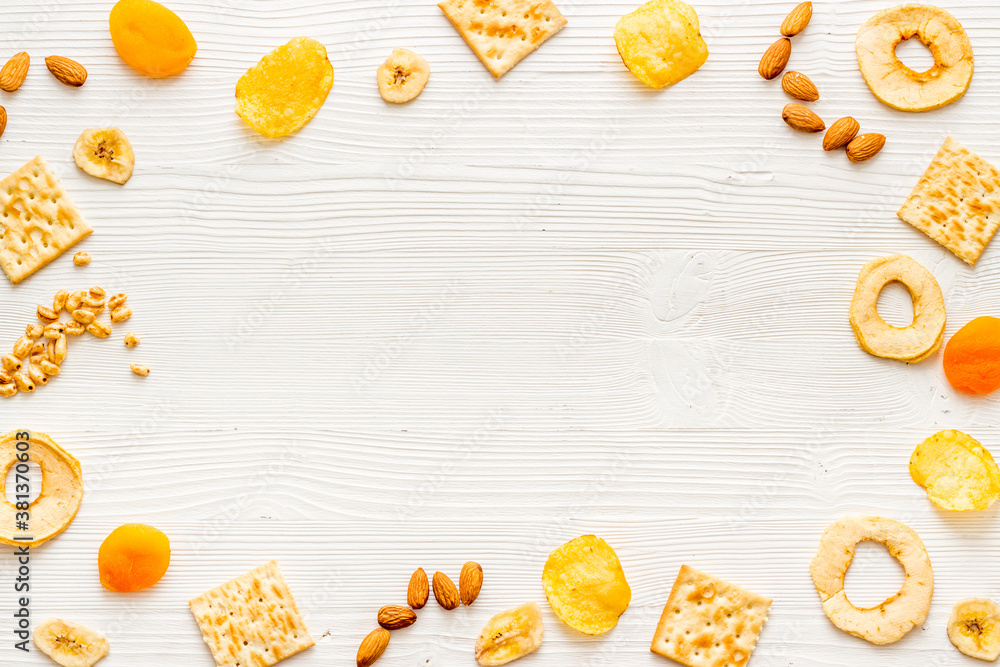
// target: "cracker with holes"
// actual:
[[708, 622], [502, 32], [956, 202], [38, 222], [251, 621]]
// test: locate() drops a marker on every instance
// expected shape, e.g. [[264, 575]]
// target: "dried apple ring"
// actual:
[[897, 615], [912, 343], [61, 488], [897, 85]]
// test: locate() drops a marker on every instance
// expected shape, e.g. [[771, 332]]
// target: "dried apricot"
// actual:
[[972, 357], [134, 556], [150, 38]]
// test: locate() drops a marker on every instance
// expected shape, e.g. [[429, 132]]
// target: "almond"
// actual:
[[775, 58], [865, 146], [372, 647], [12, 74], [66, 71], [798, 85], [395, 616], [444, 591], [840, 133], [3, 120], [470, 582], [418, 590], [802, 118], [797, 19]]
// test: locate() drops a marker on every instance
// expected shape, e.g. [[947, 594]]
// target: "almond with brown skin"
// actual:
[[802, 118], [418, 590], [865, 146], [66, 71], [840, 133], [3, 120], [445, 591], [372, 647], [775, 58], [798, 85], [797, 19], [470, 582], [12, 74], [396, 616]]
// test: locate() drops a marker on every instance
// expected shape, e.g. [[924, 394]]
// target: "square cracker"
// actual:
[[708, 622], [956, 202], [38, 222], [502, 32], [251, 621]]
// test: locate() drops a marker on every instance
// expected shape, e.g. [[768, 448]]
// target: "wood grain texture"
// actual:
[[485, 322]]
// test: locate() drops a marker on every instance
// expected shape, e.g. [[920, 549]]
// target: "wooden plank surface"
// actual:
[[485, 322]]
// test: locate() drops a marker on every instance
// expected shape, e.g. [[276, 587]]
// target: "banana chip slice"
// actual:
[[402, 76], [912, 343], [105, 153], [585, 585], [61, 489], [957, 471], [891, 620], [974, 628], [510, 635], [69, 644]]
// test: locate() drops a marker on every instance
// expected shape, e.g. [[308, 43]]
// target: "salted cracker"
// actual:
[[708, 622], [251, 621], [956, 202], [502, 32], [38, 222]]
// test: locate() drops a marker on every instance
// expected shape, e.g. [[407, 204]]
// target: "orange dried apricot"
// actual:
[[972, 357], [150, 38], [134, 556]]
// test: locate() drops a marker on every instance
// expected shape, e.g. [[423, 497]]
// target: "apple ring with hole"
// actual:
[[897, 85], [912, 343], [891, 620], [61, 489]]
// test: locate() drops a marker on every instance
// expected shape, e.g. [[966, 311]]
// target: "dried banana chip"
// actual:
[[70, 644], [585, 585], [510, 635], [402, 76], [957, 471], [974, 628], [661, 42], [282, 92]]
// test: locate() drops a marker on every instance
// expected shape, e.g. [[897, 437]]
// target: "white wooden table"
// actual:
[[483, 323]]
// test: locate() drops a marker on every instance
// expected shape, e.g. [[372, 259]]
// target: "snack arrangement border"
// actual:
[[704, 620]]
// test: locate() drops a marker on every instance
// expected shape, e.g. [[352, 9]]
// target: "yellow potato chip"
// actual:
[[957, 471], [661, 42], [286, 88], [585, 585]]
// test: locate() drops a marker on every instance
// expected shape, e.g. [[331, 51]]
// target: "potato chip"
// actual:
[[660, 42], [282, 92], [957, 471], [585, 585]]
